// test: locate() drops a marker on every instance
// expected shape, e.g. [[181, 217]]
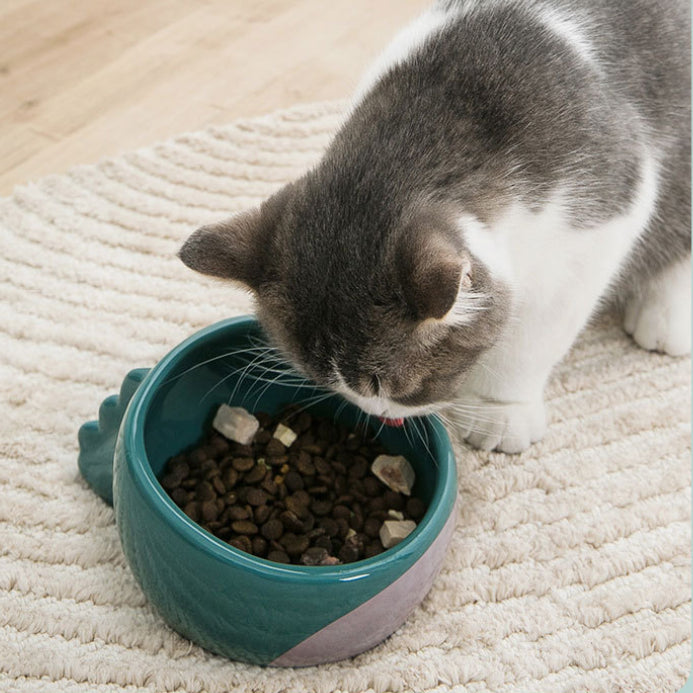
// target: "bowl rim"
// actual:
[[409, 550]]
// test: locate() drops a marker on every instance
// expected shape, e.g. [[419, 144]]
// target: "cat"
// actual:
[[506, 169]]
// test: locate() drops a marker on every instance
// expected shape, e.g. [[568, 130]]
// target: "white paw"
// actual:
[[660, 319], [505, 426]]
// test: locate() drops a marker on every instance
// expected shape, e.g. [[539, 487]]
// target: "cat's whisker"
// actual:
[[227, 354], [380, 429], [469, 415], [216, 385], [442, 419], [243, 374], [427, 442], [267, 383], [488, 369]]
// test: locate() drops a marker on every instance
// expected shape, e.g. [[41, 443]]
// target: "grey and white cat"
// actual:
[[507, 167]]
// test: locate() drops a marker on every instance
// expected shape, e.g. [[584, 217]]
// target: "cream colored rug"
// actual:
[[570, 566]]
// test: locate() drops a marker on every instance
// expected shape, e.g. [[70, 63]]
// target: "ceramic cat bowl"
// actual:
[[225, 600]]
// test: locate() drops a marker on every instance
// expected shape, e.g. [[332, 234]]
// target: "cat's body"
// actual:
[[506, 166]]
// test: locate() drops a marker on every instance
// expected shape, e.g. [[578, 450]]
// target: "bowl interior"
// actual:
[[236, 367]]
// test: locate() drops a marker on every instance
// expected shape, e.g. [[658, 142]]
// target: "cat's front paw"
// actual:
[[505, 426]]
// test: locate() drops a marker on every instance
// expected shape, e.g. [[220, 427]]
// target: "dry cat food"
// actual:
[[294, 489]]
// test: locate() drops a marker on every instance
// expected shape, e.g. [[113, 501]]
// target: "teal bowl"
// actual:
[[225, 600]]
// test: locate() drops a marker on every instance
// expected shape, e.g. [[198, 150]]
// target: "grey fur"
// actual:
[[493, 107]]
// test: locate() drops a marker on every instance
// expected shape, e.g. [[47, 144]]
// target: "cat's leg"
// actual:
[[501, 404], [557, 276], [659, 316]]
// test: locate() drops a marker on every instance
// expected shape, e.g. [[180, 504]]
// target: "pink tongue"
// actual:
[[392, 422]]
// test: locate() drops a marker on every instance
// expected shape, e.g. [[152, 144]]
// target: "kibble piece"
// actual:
[[209, 511], [341, 511], [395, 514], [269, 485], [171, 481], [285, 435], [321, 507], [371, 549], [304, 464], [179, 496], [394, 531], [235, 423], [356, 521], [244, 527], [229, 476], [230, 498], [349, 552], [293, 481], [415, 508], [291, 521], [256, 496], [371, 527], [329, 525], [256, 474], [297, 507], [218, 445], [243, 464], [261, 514], [237, 512], [275, 448], [272, 529], [278, 556], [192, 510], [394, 500], [377, 504], [325, 542], [243, 543], [302, 496], [259, 545], [343, 527], [197, 457], [372, 486], [295, 544], [395, 472]]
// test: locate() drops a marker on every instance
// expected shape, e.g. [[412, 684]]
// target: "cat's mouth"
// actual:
[[396, 423]]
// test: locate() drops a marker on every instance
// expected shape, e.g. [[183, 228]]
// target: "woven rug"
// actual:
[[570, 566]]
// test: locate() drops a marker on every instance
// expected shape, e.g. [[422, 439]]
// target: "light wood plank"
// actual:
[[84, 80]]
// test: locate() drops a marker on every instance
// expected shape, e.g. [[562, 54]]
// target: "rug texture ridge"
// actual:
[[569, 570]]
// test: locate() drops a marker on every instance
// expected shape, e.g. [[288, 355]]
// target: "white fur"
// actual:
[[557, 274], [415, 34], [466, 307], [659, 318], [379, 405], [572, 32], [405, 43]]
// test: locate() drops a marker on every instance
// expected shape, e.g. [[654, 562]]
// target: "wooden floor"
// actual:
[[84, 79]]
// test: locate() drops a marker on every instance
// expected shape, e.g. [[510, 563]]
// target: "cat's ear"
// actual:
[[432, 271], [227, 249], [235, 248]]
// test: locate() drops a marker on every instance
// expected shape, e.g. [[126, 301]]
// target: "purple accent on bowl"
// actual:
[[389, 608]]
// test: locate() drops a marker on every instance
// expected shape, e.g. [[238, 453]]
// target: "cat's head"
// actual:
[[389, 308]]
